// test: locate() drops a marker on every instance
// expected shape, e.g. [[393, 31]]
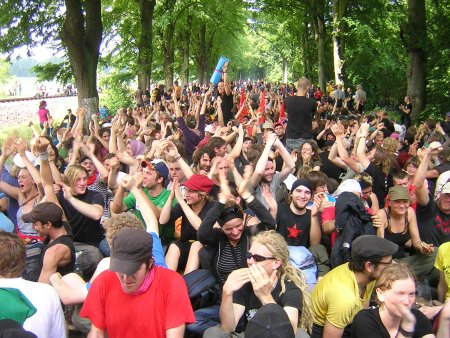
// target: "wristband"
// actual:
[[176, 158], [405, 333], [43, 156], [363, 137]]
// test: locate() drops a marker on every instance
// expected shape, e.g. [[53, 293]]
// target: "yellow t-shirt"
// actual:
[[442, 263], [336, 299]]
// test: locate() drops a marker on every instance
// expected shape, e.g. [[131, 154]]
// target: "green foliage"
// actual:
[[116, 91], [51, 71]]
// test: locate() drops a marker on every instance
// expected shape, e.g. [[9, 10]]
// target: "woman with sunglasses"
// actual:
[[394, 317], [227, 243], [269, 278]]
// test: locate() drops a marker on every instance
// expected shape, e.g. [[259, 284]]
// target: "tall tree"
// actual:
[[339, 9], [415, 39], [79, 31], [145, 42]]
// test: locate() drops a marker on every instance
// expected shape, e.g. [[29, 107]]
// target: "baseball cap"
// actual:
[[158, 166], [446, 188], [371, 246], [398, 192], [130, 248], [199, 182], [44, 212], [17, 159], [303, 182], [209, 129], [277, 124], [270, 321], [267, 125]]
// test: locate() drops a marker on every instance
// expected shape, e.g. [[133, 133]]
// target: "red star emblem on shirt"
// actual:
[[293, 231]]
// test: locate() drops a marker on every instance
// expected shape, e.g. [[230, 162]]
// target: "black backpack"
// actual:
[[202, 288]]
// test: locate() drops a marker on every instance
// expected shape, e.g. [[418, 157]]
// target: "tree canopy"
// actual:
[[392, 48]]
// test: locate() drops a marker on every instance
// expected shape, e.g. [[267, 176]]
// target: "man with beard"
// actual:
[[202, 161], [298, 225], [265, 174]]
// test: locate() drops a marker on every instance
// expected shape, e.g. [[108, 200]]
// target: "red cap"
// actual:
[[199, 182]]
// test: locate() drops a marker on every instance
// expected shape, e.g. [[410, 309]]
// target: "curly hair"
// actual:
[[277, 245], [117, 222]]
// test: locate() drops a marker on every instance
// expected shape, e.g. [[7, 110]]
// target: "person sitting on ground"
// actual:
[[134, 290], [269, 278], [226, 245], [346, 289], [394, 317], [183, 254], [48, 321]]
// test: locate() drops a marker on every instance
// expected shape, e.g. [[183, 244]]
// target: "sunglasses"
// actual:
[[257, 258]]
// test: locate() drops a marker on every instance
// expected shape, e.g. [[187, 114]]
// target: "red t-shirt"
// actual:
[[163, 306]]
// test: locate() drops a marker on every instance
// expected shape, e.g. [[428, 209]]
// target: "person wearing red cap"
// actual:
[[183, 254]]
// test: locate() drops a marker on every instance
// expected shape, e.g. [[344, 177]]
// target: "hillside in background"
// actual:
[[22, 67]]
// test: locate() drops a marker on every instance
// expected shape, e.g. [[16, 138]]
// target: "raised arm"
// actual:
[[262, 162], [289, 163], [226, 80], [422, 193], [45, 171], [89, 151], [361, 148]]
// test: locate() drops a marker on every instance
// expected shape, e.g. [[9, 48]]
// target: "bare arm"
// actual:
[[289, 163], [176, 332], [331, 331], [361, 149], [422, 195], [96, 332], [262, 162], [53, 256], [117, 205], [442, 287], [92, 211]]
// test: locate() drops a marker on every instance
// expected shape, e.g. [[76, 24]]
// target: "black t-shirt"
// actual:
[[300, 111], [367, 323], [84, 229], [188, 232], [434, 225], [294, 228], [245, 296], [227, 106], [329, 168], [379, 182]]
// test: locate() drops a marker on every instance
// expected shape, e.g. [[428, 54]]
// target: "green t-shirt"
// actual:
[[167, 233]]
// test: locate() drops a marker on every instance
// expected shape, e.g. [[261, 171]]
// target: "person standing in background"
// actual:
[[44, 114]]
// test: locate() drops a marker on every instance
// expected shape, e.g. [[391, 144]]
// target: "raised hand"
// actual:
[[8, 147], [128, 182], [42, 144], [66, 191], [21, 146], [244, 188], [236, 280]]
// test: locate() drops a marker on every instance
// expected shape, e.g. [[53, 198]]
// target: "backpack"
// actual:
[[202, 288]]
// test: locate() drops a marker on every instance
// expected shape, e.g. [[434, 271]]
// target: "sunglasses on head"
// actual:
[[257, 258]]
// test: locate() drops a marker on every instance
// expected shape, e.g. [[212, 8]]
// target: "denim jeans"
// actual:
[[204, 319], [296, 143]]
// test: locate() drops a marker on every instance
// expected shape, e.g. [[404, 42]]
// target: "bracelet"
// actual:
[[43, 156], [363, 137], [176, 158], [405, 333]]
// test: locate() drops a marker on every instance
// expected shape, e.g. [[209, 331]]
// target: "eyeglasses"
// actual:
[[257, 258]]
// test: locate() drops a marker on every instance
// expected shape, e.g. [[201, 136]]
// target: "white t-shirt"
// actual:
[[48, 321]]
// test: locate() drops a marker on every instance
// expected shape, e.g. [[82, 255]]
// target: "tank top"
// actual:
[[25, 228], [399, 238], [67, 241]]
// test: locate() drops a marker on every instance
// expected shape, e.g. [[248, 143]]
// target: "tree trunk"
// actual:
[[145, 56], [169, 55], [416, 46], [201, 55], [285, 70], [186, 47], [82, 35], [305, 53], [320, 37], [339, 9]]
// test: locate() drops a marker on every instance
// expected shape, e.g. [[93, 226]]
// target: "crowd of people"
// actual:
[[312, 216]]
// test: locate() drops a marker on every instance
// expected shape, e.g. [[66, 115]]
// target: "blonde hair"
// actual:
[[391, 145], [277, 245], [393, 273], [72, 172]]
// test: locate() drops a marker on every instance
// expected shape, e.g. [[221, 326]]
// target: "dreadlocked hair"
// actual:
[[277, 245]]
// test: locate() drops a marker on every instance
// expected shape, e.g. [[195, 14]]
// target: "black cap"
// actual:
[[270, 321], [130, 248], [44, 212], [370, 246]]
